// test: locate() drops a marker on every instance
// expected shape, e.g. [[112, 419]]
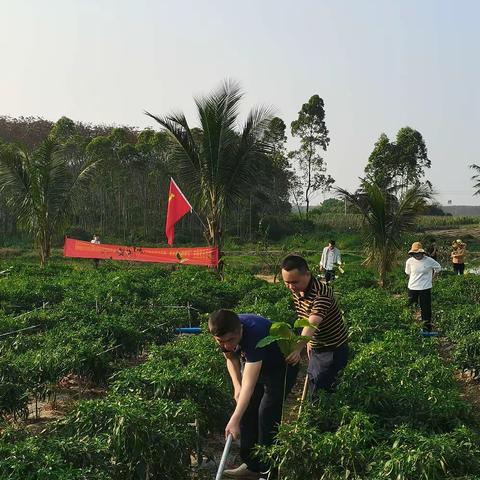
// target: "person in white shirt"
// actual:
[[421, 270], [330, 257]]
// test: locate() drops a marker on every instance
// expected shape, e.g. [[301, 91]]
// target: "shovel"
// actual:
[[226, 449]]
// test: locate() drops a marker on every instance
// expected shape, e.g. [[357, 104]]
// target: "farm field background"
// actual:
[[98, 386]]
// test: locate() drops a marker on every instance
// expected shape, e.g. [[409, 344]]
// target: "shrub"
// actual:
[[144, 437], [467, 351], [415, 454]]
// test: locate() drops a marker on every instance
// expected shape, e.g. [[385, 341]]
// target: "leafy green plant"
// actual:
[[285, 336], [415, 454], [467, 351], [144, 437]]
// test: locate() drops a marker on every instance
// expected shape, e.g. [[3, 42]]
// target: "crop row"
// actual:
[[84, 322], [397, 413], [457, 312], [143, 429]]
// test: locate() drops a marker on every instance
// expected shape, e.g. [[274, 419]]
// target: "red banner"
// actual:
[[188, 256]]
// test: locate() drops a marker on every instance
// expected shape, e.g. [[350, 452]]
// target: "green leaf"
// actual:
[[281, 328], [302, 323], [268, 340], [303, 338]]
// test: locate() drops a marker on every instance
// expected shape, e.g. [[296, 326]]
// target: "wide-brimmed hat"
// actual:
[[417, 247]]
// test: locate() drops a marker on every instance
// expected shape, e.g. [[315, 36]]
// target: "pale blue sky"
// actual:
[[378, 64]]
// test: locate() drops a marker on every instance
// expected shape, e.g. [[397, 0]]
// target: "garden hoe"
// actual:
[[221, 467]]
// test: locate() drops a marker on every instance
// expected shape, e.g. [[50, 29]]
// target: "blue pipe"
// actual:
[[429, 334], [190, 330]]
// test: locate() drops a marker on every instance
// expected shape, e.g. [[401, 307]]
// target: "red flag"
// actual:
[[178, 206]]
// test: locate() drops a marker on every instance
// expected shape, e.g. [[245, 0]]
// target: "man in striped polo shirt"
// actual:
[[314, 301]]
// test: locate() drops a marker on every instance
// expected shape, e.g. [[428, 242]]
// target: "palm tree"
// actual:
[[386, 218], [216, 162], [476, 178], [40, 188]]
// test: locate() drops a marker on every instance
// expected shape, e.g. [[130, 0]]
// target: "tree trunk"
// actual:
[[215, 238], [383, 275]]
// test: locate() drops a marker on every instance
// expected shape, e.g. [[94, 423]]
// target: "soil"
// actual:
[[464, 232], [470, 387], [69, 390], [267, 278]]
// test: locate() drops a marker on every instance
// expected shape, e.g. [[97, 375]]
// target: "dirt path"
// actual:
[[470, 387], [453, 233]]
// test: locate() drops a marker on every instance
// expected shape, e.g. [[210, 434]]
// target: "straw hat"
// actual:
[[416, 248]]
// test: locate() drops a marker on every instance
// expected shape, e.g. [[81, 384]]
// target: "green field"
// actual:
[[100, 346]]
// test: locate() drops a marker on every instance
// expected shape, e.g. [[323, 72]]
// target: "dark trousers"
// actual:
[[329, 275], [424, 298], [262, 417], [324, 367], [458, 268]]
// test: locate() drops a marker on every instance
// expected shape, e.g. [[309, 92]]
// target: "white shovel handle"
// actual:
[[221, 467]]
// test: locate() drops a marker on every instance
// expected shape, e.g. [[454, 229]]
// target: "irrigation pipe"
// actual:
[[30, 311], [119, 345], [221, 467], [189, 307], [18, 331]]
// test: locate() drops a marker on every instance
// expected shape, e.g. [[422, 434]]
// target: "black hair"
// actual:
[[332, 243], [292, 262], [222, 322]]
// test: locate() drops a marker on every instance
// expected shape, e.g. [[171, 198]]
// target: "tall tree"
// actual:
[[476, 178], [40, 188], [401, 163], [217, 162], [387, 217], [275, 181], [312, 131]]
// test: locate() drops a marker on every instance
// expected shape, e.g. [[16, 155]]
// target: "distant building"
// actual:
[[462, 210]]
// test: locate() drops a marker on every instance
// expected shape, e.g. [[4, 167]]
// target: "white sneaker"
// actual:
[[241, 472]]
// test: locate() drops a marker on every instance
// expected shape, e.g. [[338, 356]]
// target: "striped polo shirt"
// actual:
[[318, 300]]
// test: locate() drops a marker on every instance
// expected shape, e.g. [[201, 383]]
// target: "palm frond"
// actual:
[[386, 218], [185, 151], [476, 178]]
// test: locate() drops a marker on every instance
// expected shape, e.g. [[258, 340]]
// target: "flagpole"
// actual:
[[198, 216], [189, 204]]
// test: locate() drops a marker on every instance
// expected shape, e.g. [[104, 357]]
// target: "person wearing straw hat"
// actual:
[[421, 270], [458, 256]]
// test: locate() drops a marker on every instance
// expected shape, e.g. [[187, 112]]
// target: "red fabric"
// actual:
[[207, 256], [178, 206]]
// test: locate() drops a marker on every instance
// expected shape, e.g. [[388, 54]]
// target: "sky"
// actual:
[[379, 65]]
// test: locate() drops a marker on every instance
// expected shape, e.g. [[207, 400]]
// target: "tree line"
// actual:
[[68, 177], [72, 178]]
